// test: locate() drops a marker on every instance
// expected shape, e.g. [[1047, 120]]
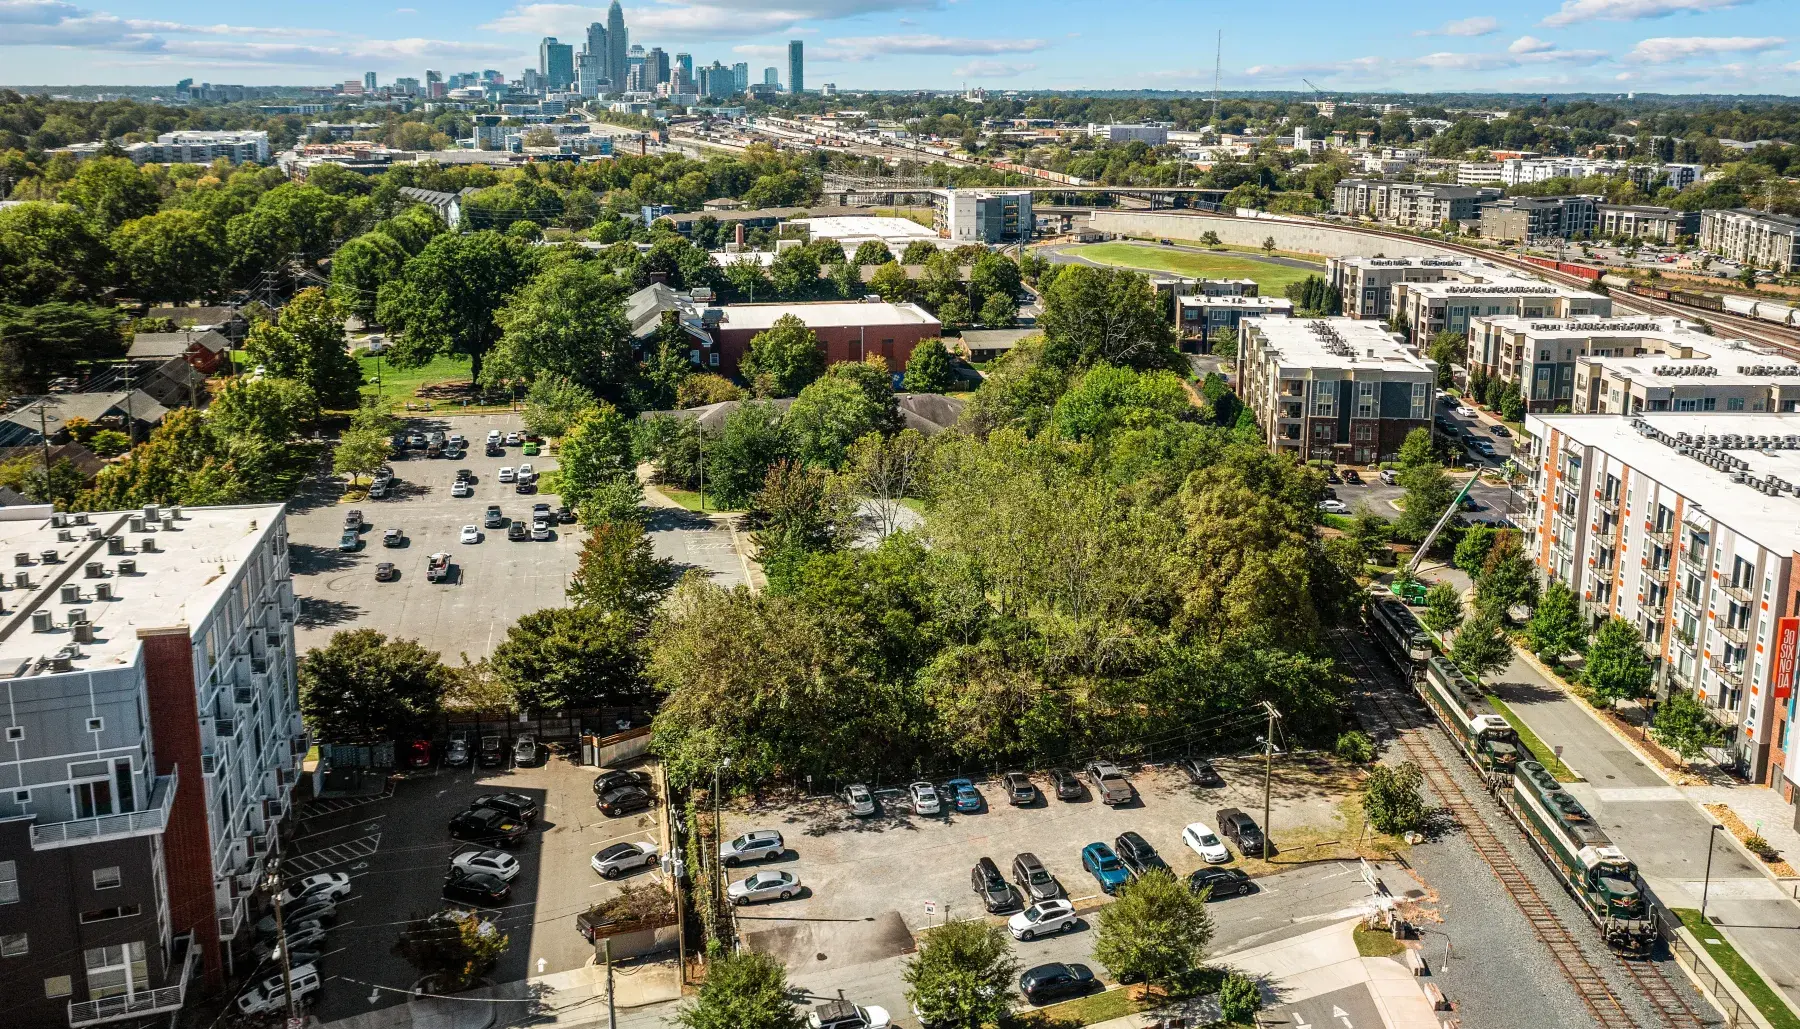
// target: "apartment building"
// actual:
[[188, 146], [1686, 525], [1478, 173], [1202, 314], [1428, 308], [1529, 218], [1365, 283], [1542, 354], [1747, 380], [1746, 235], [1527, 171], [153, 738], [1336, 389], [1636, 221], [1412, 204]]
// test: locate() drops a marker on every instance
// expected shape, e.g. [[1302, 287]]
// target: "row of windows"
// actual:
[[107, 878]]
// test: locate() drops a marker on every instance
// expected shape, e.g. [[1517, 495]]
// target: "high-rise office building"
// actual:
[[590, 74], [618, 46], [686, 63], [434, 83], [368, 82], [771, 76], [656, 68], [634, 61], [740, 77], [596, 41], [796, 66], [491, 76], [556, 63]]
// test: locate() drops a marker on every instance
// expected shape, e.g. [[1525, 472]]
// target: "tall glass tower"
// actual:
[[796, 66]]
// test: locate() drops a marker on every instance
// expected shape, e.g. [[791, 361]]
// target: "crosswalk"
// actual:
[[328, 857]]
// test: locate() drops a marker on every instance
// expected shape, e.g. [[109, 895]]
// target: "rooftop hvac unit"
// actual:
[[103, 591], [175, 512], [71, 594], [84, 633], [77, 615], [22, 580], [137, 523], [62, 661], [115, 545], [1738, 476], [94, 532], [41, 621], [59, 520], [152, 513], [168, 522], [21, 559], [95, 570], [148, 546], [81, 519], [65, 536], [128, 566], [50, 557]]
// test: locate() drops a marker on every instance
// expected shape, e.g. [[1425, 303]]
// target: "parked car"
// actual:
[[1201, 772], [541, 512], [475, 887], [1388, 478], [620, 858], [1020, 790], [623, 800], [495, 450], [459, 490], [418, 754], [529, 449], [995, 892], [841, 1014], [489, 825], [540, 530], [492, 753], [456, 753], [493, 436], [1352, 477], [1332, 476], [756, 845], [512, 439], [517, 805], [395, 537], [309, 936], [527, 473], [1067, 786], [496, 863], [1105, 867], [525, 486], [378, 490], [763, 886], [924, 798], [1224, 882], [316, 910], [329, 885], [507, 474], [1055, 981], [437, 568], [1042, 919], [1200, 838], [353, 520], [349, 540], [386, 572], [525, 750], [1242, 830], [859, 800], [620, 777], [1110, 783], [517, 533], [1034, 880], [1334, 507], [471, 534], [271, 994], [494, 519], [1500, 430], [564, 516], [964, 795], [1137, 853]]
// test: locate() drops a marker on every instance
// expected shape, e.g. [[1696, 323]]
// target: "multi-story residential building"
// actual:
[[1199, 315], [1478, 173], [1414, 204], [1663, 224], [1526, 171], [1155, 135], [796, 66], [1449, 305], [187, 146], [1748, 379], [1335, 389], [1364, 283], [983, 215], [1529, 218], [1543, 355], [153, 738], [1746, 235], [1687, 526]]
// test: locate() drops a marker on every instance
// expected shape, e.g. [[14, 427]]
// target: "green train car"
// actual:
[[1486, 739], [1402, 638], [1602, 878]]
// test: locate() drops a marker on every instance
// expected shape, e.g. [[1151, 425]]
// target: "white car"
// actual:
[[755, 845], [493, 436], [1465, 412], [512, 439], [471, 534], [527, 473], [324, 886], [620, 858], [508, 475], [462, 489], [859, 800], [1334, 507], [1203, 841], [764, 886], [497, 863], [540, 530], [272, 993], [1041, 919], [924, 798]]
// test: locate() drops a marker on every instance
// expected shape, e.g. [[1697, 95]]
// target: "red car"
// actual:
[[418, 754]]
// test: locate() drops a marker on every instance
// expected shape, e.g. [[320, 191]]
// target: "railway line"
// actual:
[[1379, 706]]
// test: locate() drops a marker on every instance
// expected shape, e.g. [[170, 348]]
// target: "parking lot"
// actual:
[[396, 849]]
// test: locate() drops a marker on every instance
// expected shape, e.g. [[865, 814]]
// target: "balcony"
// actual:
[[231, 917], [148, 822], [1737, 635], [1696, 562], [1731, 674], [1608, 504], [1741, 594], [244, 696], [1664, 538], [138, 1005], [225, 727]]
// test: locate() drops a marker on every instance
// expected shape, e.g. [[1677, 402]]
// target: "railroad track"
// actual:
[[1587, 979], [1664, 994]]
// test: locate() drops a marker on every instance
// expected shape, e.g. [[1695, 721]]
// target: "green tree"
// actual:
[[1473, 549], [787, 353], [599, 473], [568, 321], [360, 452], [1222, 342], [929, 369], [954, 309], [1392, 799], [891, 283], [1105, 398], [361, 267], [553, 403], [1443, 608], [1209, 238], [1481, 646], [1096, 315], [1240, 998], [847, 281], [50, 252], [705, 388], [1447, 348], [872, 251], [795, 273], [1355, 747], [1268, 245], [1555, 627], [1616, 668], [51, 340], [1512, 405], [1428, 494], [174, 255], [828, 416], [998, 311], [1508, 577], [455, 948], [1417, 449], [445, 300], [918, 252], [748, 280], [962, 976], [272, 409], [363, 687], [308, 345], [800, 510], [1154, 930], [111, 191], [619, 571], [744, 989], [752, 439], [567, 657], [1683, 724]]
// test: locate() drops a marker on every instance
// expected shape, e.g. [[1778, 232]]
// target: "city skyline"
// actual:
[[1672, 46]]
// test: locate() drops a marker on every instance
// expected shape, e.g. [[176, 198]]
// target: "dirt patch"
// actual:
[[819, 944]]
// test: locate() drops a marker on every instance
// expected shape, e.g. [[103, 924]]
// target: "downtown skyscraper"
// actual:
[[618, 46]]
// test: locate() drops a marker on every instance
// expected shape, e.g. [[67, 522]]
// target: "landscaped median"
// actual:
[[1759, 993]]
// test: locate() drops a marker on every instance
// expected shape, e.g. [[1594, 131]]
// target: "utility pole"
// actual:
[[287, 982], [1268, 773], [44, 432], [611, 1015]]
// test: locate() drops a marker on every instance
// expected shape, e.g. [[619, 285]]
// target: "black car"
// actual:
[[492, 753], [995, 892], [1055, 981], [1138, 854], [489, 825], [464, 475], [475, 887], [384, 572], [517, 532], [1200, 772], [496, 450], [623, 800], [1242, 830], [517, 805], [1020, 790], [1224, 882], [1067, 786], [525, 487], [607, 781], [565, 516]]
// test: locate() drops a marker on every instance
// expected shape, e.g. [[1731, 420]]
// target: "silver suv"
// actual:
[[756, 845]]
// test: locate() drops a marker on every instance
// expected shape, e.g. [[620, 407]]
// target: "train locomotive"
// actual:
[[1599, 874]]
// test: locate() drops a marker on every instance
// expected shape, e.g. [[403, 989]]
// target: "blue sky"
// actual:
[[1714, 46]]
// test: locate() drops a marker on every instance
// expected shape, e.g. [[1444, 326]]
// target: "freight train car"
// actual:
[[1703, 301], [1487, 739], [1600, 876]]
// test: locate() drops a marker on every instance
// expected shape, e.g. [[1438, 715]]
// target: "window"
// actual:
[[9, 882], [14, 945], [59, 986], [712, 360], [96, 724], [1365, 400], [106, 914], [1734, 403], [106, 878], [15, 733], [116, 971]]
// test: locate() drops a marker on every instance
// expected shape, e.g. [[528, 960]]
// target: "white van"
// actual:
[[271, 994]]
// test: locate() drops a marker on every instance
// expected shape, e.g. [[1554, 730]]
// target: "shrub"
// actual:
[[1239, 998], [1355, 747]]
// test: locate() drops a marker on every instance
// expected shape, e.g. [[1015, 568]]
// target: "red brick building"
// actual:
[[847, 330]]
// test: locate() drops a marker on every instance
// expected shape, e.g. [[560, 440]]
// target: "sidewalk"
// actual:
[[644, 995]]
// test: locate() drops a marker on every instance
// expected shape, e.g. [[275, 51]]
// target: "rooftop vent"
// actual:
[[103, 591], [41, 621]]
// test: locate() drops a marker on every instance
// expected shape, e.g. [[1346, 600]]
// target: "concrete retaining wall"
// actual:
[[1298, 236], [622, 747]]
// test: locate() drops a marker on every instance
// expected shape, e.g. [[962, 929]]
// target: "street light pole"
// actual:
[[1706, 886]]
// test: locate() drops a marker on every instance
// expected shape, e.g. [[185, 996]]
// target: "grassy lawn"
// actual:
[[1760, 993], [399, 385], [688, 498], [1273, 278], [911, 214], [1095, 1007], [1377, 943], [1542, 753]]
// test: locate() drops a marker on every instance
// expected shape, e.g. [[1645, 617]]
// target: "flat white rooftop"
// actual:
[[843, 226], [1672, 332], [1727, 369], [840, 313], [1772, 521], [1344, 343], [178, 582], [1242, 303]]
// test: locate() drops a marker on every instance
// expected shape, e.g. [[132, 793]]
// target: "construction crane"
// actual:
[[1315, 89]]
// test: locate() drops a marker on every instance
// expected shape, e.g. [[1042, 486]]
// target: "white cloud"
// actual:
[[1795, 66], [1574, 11], [406, 10], [1530, 45], [1668, 49], [928, 44], [1478, 26], [982, 69], [36, 12], [673, 19]]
